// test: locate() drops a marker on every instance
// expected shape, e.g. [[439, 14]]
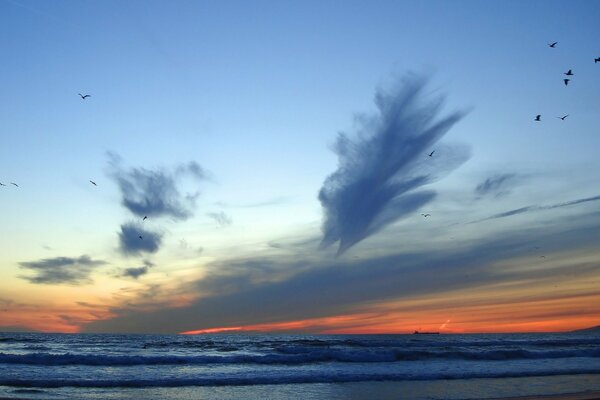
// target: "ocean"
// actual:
[[106, 366]]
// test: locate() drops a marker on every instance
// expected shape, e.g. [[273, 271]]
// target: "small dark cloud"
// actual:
[[155, 193], [131, 244], [527, 209], [61, 270], [497, 186], [221, 218], [136, 272], [380, 169]]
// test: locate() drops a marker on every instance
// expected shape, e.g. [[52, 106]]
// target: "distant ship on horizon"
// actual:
[[425, 333]]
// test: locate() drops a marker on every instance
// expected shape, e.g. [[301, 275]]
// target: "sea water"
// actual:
[[86, 366]]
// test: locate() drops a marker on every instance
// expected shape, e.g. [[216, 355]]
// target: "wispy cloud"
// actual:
[[381, 167], [134, 239], [221, 218], [533, 208], [155, 193], [497, 185], [61, 270], [136, 272]]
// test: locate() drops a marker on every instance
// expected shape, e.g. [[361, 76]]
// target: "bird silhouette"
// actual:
[[93, 183], [431, 154], [566, 81], [569, 73], [426, 215], [2, 184], [553, 45], [563, 118], [538, 117], [84, 96], [596, 60], [145, 217], [12, 183], [140, 237]]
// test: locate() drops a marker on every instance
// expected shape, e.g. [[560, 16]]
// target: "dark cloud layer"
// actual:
[[61, 270], [136, 272], [155, 193], [498, 185], [380, 169], [131, 244], [252, 291]]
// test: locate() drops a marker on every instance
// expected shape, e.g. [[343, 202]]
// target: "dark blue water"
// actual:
[[88, 365]]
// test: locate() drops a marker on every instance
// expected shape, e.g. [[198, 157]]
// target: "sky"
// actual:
[[305, 167]]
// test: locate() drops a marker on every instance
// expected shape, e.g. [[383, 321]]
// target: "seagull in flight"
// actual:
[[431, 154], [145, 218], [596, 60], [93, 183], [563, 118], [426, 215], [569, 73], [553, 45], [566, 81], [12, 183], [84, 96], [2, 184], [538, 117]]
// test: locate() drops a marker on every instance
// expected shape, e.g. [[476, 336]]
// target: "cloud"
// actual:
[[155, 193], [303, 284], [528, 209], [136, 272], [380, 168], [497, 185], [274, 289], [131, 244], [221, 218], [61, 270]]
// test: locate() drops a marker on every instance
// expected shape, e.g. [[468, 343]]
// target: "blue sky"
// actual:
[[255, 94]]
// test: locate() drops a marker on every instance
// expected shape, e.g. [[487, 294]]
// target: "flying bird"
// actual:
[[145, 217], [569, 73], [2, 184], [431, 154], [84, 96], [12, 183], [563, 118], [140, 237], [566, 81], [553, 45], [426, 215], [93, 183], [596, 60], [538, 117]]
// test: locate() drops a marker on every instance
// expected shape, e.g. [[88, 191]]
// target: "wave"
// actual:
[[285, 379], [294, 356], [18, 340]]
